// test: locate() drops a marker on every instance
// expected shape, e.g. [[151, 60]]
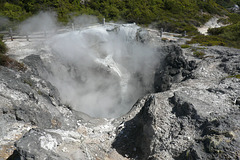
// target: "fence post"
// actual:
[[161, 32], [10, 34], [27, 37], [184, 33], [73, 28], [103, 21], [45, 33]]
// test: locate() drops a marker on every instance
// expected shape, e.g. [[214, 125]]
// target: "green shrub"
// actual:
[[206, 40], [224, 21], [14, 12], [229, 35], [214, 40], [215, 31], [3, 47], [11, 63], [225, 3], [172, 15], [7, 61], [234, 18]]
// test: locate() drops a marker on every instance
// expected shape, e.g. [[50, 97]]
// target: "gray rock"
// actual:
[[195, 116], [175, 69], [34, 62], [38, 145]]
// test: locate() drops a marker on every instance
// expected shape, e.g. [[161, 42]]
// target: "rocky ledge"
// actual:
[[194, 114]]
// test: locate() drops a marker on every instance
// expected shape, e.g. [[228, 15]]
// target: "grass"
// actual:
[[199, 54]]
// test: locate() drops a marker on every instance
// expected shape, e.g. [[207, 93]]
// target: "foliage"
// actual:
[[11, 63], [228, 3], [234, 18], [207, 40], [231, 34], [225, 3], [171, 15], [216, 40], [183, 12], [3, 48], [7, 61], [14, 12]]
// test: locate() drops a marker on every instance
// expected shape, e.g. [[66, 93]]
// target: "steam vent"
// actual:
[[118, 92]]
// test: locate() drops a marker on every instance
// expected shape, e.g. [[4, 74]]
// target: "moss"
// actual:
[[185, 46], [40, 92], [29, 82], [234, 76], [199, 54]]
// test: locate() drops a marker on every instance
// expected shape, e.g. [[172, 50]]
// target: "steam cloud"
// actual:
[[3, 21], [100, 70], [44, 21], [85, 20]]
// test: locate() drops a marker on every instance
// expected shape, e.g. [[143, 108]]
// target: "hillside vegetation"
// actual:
[[171, 15]]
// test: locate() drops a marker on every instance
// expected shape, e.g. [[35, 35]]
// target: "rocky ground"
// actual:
[[193, 114]]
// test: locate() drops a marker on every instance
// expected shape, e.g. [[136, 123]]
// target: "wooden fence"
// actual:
[[12, 35]]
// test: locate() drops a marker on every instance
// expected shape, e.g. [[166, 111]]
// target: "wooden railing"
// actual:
[[12, 35]]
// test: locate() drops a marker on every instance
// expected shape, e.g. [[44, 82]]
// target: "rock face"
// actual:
[[195, 119], [194, 114], [175, 68]]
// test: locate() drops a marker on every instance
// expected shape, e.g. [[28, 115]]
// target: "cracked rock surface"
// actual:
[[195, 114]]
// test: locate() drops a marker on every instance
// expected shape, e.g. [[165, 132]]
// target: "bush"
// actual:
[[7, 61], [213, 40], [3, 48], [230, 35], [14, 12], [234, 18], [11, 63]]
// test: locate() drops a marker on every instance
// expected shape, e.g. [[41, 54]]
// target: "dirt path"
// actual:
[[212, 23]]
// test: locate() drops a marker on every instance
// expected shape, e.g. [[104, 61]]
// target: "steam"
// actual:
[[3, 21], [44, 21], [85, 20], [100, 70]]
